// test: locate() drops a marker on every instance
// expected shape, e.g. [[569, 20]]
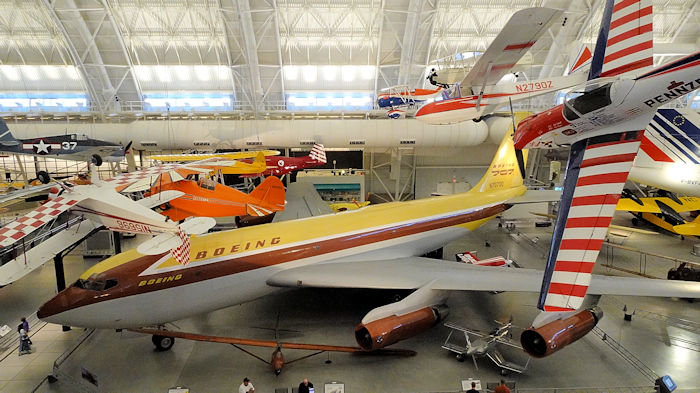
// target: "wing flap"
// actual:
[[414, 272]]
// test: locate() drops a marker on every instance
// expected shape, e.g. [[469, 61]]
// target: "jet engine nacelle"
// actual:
[[394, 328], [546, 339]]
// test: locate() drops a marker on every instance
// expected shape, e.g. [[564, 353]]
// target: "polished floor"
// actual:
[[128, 362]]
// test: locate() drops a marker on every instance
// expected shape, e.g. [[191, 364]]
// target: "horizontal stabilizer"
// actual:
[[159, 244], [536, 196], [197, 225]]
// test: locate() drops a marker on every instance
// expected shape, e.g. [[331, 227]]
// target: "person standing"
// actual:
[[502, 388], [473, 389], [246, 386], [25, 324], [24, 347], [305, 386]]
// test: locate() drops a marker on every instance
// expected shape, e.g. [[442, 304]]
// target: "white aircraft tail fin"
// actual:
[[625, 41], [672, 136]]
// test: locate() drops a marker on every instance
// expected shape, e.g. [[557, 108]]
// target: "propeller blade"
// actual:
[[128, 146]]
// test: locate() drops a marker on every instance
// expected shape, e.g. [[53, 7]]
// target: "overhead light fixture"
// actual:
[[163, 74], [143, 73], [367, 72], [330, 73], [10, 72], [309, 72], [31, 72], [203, 73], [348, 73], [291, 72], [182, 72], [51, 71]]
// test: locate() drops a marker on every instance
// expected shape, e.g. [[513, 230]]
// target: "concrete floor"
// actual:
[[128, 362]]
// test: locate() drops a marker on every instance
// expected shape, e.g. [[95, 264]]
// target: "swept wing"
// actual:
[[414, 272]]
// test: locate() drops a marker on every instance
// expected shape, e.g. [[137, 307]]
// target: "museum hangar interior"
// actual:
[[374, 195]]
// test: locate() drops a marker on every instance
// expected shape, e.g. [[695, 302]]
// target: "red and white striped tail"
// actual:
[[181, 253], [318, 153], [630, 38], [596, 174]]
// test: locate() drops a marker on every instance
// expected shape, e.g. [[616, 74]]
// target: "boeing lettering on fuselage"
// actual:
[[251, 245], [678, 89]]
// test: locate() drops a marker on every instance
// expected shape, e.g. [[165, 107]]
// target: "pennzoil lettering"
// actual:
[[251, 245], [160, 280], [673, 93]]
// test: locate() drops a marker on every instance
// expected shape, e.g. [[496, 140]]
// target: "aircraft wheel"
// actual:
[[163, 343], [96, 159], [635, 221], [43, 177], [461, 357]]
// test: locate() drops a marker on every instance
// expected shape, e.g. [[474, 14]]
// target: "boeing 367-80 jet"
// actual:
[[373, 247]]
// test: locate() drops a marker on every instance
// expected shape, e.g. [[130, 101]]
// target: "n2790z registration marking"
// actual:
[[533, 86]]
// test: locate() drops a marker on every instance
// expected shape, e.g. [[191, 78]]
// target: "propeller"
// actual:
[[128, 146]]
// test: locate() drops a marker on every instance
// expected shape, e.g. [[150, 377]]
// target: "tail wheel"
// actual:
[[43, 177], [163, 343], [96, 159]]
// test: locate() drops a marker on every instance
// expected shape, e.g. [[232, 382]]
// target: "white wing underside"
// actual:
[[514, 40], [414, 272]]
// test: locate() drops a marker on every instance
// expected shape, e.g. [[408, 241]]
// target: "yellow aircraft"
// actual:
[[664, 212], [226, 163]]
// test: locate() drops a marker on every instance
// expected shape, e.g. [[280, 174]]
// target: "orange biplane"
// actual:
[[207, 198]]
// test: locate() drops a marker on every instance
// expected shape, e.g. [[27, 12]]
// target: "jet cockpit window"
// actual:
[[587, 102], [96, 285]]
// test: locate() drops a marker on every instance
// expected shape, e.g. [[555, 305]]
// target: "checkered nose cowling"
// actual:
[[318, 153]]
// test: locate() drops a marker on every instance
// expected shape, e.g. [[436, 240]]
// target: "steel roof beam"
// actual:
[[250, 53]]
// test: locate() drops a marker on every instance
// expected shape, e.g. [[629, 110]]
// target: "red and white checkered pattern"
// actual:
[[630, 38], [132, 177], [16, 230], [144, 178], [602, 176], [318, 153], [181, 253]]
